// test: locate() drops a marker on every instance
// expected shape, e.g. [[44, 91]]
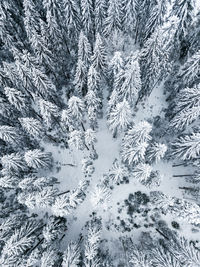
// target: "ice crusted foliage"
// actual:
[[118, 172], [32, 126], [156, 152], [142, 172], [72, 255]]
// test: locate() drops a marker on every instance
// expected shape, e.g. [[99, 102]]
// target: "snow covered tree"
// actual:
[[113, 21], [184, 10], [118, 172], [100, 15], [186, 110], [16, 98], [99, 57], [84, 49], [93, 104], [31, 19], [71, 13], [156, 152], [49, 258], [129, 16], [90, 137], [54, 229], [72, 255], [117, 63], [187, 147], [80, 78], [38, 159], [142, 172], [100, 196], [87, 15], [13, 163], [44, 85], [190, 71], [134, 154], [15, 247], [120, 117], [139, 258], [156, 18], [92, 243], [93, 79], [76, 107], [131, 84], [49, 111], [66, 119], [154, 62], [76, 139], [10, 134], [32, 126], [138, 133]]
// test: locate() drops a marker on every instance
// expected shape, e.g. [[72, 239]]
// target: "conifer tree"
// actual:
[[99, 15], [113, 21], [72, 255], [38, 159], [131, 84], [120, 117], [187, 147], [72, 17], [13, 162], [32, 126], [87, 15], [129, 16], [49, 111], [99, 57], [16, 98], [84, 49]]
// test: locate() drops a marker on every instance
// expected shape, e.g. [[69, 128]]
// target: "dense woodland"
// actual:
[[73, 75]]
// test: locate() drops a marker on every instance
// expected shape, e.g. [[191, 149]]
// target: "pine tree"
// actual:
[[16, 98], [120, 117], [113, 22], [118, 172], [72, 17], [32, 126], [38, 159], [190, 71], [116, 63], [49, 257], [156, 18], [13, 163], [154, 62], [131, 84], [187, 147], [80, 78], [72, 255], [156, 152], [138, 133], [134, 154], [184, 11], [31, 19], [49, 111], [76, 139], [90, 137], [93, 79], [100, 196], [76, 107], [142, 172], [92, 243], [54, 229], [10, 134], [100, 15], [99, 57], [84, 49], [87, 15], [129, 16]]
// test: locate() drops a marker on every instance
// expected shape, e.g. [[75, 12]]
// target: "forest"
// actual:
[[99, 133]]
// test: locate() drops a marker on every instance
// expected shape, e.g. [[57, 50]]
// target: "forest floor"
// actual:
[[108, 149]]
